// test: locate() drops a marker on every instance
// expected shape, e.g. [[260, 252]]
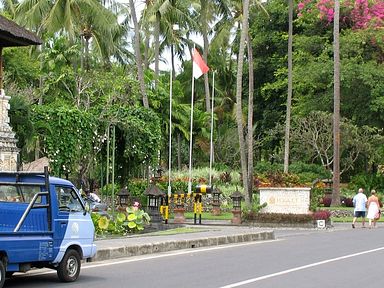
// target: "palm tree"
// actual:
[[88, 19], [153, 15], [8, 6], [101, 27], [164, 15]]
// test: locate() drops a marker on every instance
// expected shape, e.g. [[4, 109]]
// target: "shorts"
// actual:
[[359, 214]]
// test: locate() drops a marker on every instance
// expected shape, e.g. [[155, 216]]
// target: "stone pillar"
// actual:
[[179, 215], [8, 149], [236, 218]]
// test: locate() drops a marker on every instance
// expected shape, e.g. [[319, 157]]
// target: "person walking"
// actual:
[[360, 204], [373, 205]]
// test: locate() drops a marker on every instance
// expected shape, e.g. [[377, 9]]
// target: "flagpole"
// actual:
[[170, 136], [190, 136], [211, 146], [201, 68]]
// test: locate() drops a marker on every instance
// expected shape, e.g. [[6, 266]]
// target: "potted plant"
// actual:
[[322, 218]]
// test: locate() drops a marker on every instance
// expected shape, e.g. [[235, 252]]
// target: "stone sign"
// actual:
[[285, 200]]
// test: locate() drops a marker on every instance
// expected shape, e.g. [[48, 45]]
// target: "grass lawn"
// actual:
[[206, 216]]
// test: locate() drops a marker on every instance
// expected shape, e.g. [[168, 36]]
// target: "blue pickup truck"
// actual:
[[43, 224]]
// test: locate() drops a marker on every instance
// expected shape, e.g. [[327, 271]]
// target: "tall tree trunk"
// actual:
[[157, 46], [239, 110], [250, 116], [336, 108], [41, 93], [204, 32], [139, 61], [146, 48], [289, 98]]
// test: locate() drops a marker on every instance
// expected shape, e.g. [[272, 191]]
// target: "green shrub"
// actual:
[[368, 182], [317, 195], [264, 167], [277, 218], [106, 190]]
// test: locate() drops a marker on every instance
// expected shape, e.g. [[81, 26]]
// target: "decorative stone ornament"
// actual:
[[8, 149]]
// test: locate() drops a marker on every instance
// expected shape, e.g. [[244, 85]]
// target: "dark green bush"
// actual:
[[277, 218], [266, 167]]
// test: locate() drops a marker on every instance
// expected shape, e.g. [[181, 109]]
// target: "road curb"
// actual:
[[171, 245]]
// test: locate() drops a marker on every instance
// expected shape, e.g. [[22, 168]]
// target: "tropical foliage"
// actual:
[[98, 89]]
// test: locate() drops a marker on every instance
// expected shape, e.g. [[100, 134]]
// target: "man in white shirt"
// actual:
[[359, 202]]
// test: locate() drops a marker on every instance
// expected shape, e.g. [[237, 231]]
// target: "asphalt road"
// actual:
[[351, 258]]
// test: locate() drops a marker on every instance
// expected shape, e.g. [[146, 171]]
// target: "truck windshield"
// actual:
[[68, 200]]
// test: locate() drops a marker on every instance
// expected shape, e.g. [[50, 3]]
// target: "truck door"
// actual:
[[73, 225]]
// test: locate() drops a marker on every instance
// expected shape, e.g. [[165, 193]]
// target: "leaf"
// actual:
[[121, 217], [103, 223], [140, 227], [132, 217], [132, 225], [130, 210]]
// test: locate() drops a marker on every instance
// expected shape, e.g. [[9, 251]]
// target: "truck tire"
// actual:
[[69, 268], [2, 273]]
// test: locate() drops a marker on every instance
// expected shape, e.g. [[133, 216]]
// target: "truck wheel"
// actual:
[[69, 268], [2, 273]]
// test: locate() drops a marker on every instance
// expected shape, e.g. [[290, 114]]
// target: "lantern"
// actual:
[[236, 211], [236, 200], [216, 201], [123, 197], [154, 195]]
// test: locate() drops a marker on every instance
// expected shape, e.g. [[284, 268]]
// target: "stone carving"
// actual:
[[8, 148]]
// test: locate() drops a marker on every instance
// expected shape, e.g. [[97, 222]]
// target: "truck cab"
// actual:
[[43, 224]]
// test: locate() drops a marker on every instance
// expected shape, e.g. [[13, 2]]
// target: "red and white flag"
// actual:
[[199, 66]]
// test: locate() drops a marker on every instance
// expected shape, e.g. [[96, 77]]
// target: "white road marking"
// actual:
[[148, 257], [245, 282]]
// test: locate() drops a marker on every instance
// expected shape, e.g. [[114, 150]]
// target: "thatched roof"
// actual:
[[12, 34], [37, 165], [154, 191]]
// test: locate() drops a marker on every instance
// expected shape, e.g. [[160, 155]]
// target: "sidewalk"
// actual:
[[209, 233]]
